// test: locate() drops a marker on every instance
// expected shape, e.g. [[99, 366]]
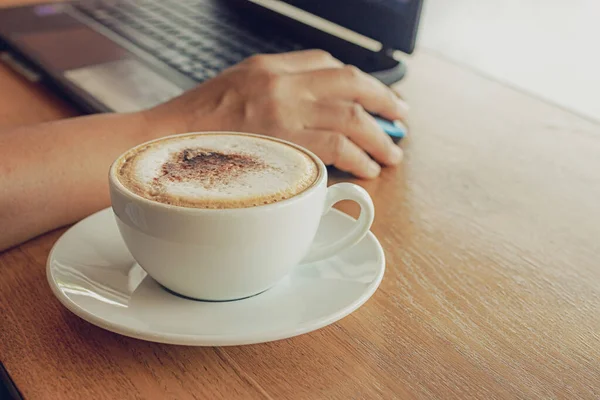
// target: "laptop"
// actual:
[[128, 55]]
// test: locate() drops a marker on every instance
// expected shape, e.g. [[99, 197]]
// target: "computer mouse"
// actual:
[[395, 129]]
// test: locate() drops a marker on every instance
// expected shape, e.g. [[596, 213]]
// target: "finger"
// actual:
[[336, 149], [351, 84], [403, 101], [297, 61], [397, 93], [353, 121]]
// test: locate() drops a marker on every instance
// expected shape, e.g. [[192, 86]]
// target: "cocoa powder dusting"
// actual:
[[208, 168]]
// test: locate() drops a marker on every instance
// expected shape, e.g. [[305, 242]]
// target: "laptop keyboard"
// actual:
[[197, 37]]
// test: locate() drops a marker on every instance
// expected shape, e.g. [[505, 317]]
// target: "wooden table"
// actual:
[[491, 230]]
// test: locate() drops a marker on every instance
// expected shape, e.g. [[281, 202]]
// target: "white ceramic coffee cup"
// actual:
[[227, 254]]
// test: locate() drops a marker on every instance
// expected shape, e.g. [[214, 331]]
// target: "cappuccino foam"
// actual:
[[217, 171]]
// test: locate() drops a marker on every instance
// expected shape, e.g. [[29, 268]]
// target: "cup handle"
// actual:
[[336, 193]]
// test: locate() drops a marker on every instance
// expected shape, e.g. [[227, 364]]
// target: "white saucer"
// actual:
[[92, 274]]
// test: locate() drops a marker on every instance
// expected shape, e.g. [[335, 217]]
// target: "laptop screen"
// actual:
[[394, 23]]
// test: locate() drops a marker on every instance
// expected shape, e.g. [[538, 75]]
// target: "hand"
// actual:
[[305, 97]]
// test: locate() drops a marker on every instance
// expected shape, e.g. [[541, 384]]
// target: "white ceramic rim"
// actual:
[[215, 340], [116, 183]]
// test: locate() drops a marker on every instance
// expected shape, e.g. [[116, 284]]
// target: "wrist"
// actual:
[[161, 121]]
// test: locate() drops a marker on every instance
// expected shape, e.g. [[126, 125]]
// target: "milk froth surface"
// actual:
[[217, 171]]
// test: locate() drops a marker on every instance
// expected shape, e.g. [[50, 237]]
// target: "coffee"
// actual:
[[217, 171]]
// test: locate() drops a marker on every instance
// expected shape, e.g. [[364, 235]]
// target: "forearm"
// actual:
[[56, 173]]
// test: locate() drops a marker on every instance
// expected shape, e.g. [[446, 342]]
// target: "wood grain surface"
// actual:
[[491, 230]]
